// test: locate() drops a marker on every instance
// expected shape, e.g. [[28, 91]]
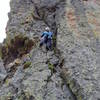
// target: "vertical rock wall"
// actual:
[[79, 41]]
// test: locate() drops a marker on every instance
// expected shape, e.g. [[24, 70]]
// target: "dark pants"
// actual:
[[43, 41], [49, 44]]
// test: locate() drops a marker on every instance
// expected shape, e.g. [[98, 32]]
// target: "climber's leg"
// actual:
[[49, 44], [47, 47], [41, 42]]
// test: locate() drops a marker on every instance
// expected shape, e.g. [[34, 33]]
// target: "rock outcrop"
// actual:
[[71, 71]]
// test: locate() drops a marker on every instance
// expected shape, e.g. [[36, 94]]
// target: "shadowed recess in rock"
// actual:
[[16, 47]]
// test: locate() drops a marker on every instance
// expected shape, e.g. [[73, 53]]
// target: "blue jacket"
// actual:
[[48, 34]]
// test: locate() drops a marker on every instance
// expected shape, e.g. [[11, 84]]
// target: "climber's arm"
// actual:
[[42, 34]]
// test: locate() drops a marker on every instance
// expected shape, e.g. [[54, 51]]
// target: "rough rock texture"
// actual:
[[3, 73], [80, 39], [71, 71]]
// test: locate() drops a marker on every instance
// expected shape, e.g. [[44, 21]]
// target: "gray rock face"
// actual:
[[36, 82], [80, 48], [41, 83], [69, 72], [3, 73]]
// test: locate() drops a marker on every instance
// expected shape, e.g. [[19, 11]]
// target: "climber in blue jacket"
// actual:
[[46, 38]]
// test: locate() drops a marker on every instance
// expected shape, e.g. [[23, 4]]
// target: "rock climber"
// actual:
[[46, 38]]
